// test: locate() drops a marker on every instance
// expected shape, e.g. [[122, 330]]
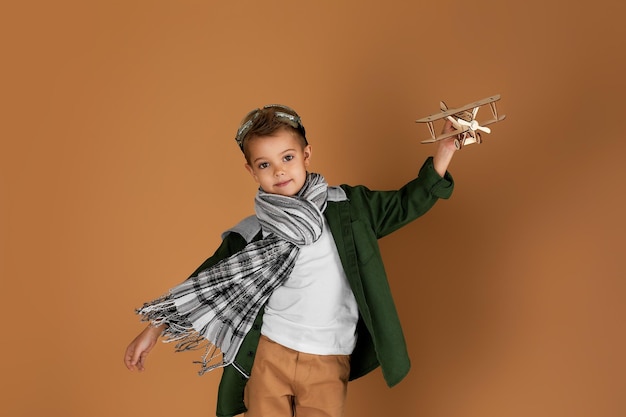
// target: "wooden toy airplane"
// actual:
[[467, 129]]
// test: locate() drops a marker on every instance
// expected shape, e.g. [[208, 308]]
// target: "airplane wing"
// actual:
[[452, 112], [459, 132], [445, 136]]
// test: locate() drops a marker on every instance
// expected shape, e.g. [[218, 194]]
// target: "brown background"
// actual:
[[119, 171]]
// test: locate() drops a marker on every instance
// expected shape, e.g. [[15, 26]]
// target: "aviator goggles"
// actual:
[[280, 113]]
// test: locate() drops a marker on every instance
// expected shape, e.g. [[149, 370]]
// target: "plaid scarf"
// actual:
[[216, 308]]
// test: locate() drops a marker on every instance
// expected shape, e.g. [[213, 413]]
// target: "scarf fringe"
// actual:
[[179, 330]]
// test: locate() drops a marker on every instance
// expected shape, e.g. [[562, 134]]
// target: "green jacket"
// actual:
[[357, 218]]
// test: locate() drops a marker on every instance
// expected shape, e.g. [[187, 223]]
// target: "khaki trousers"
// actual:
[[287, 383]]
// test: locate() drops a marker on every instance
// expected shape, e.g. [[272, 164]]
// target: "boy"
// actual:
[[296, 298]]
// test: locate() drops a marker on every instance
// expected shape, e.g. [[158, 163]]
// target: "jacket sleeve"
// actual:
[[387, 211]]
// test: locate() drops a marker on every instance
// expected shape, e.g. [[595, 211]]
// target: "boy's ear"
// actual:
[[307, 154], [251, 171]]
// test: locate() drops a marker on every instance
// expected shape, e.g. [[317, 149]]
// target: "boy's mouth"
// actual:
[[282, 184]]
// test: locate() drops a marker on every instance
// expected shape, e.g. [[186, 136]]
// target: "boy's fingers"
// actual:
[[128, 359], [131, 359], [141, 362]]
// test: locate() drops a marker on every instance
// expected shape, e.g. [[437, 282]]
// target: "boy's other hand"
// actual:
[[137, 351]]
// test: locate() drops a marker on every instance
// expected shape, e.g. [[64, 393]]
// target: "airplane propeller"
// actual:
[[473, 124]]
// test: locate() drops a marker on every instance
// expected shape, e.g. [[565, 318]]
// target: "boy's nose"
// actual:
[[279, 170]]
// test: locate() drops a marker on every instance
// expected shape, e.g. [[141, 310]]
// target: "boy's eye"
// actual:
[[263, 165], [288, 157]]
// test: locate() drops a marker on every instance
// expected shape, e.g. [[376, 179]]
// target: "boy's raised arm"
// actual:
[[445, 151]]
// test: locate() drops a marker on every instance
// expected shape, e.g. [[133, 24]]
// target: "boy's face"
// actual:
[[278, 163]]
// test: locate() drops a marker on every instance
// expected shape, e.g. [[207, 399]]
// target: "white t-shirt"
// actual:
[[314, 311]]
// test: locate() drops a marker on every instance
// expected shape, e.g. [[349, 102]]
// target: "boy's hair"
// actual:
[[266, 121]]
